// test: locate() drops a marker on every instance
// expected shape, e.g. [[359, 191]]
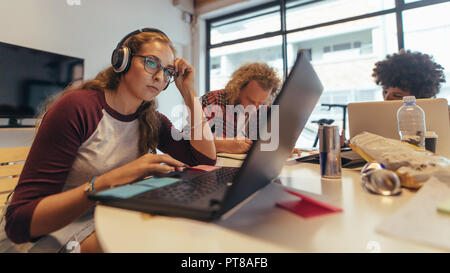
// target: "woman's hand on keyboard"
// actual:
[[148, 164]]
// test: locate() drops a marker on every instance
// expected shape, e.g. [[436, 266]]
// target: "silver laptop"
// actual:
[[380, 118], [209, 195]]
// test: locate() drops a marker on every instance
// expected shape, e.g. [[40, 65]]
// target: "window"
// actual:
[[345, 70], [301, 14], [344, 39], [225, 60], [263, 21], [427, 30]]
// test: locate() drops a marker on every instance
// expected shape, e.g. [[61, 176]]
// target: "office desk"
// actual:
[[259, 226]]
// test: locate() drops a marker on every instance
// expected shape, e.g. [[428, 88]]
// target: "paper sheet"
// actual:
[[205, 168], [419, 220], [306, 206], [130, 190], [233, 156]]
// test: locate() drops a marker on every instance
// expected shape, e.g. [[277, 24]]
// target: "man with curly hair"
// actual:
[[251, 86], [408, 74]]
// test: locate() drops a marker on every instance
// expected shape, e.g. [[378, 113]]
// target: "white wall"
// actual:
[[199, 55], [92, 29]]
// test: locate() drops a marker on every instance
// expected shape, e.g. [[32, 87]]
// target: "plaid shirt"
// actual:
[[217, 113]]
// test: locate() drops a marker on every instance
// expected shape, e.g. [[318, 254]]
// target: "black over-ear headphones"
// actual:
[[121, 56]]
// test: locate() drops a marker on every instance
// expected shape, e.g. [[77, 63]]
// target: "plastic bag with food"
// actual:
[[413, 165]]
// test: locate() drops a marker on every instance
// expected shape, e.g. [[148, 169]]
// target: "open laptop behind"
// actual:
[[209, 195], [380, 118]]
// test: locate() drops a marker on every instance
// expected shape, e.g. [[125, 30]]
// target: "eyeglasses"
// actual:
[[153, 65]]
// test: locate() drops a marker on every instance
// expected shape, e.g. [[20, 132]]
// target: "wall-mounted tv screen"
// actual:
[[29, 76]]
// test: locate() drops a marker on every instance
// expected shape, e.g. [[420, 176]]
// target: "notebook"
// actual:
[[207, 195], [232, 156], [380, 118]]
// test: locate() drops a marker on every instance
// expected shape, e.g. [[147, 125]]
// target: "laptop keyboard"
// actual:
[[188, 191]]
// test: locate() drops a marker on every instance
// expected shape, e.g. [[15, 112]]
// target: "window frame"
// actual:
[[400, 6]]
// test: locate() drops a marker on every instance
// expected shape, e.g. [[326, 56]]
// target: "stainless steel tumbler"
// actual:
[[330, 151]]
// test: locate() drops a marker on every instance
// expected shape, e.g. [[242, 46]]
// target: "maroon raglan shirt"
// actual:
[[80, 137]]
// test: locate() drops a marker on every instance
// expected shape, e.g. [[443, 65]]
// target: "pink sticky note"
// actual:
[[307, 207], [205, 168]]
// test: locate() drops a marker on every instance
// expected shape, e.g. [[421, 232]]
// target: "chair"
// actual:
[[12, 161], [330, 121]]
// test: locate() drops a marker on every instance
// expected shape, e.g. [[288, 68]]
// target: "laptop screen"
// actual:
[[366, 116], [286, 119]]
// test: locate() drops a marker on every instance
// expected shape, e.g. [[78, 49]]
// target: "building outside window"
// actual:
[[344, 39]]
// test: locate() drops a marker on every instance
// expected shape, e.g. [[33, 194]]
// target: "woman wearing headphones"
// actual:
[[102, 134]]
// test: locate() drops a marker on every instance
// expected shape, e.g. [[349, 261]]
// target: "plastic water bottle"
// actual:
[[411, 122]]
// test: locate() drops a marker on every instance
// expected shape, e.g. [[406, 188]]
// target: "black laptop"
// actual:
[[209, 195]]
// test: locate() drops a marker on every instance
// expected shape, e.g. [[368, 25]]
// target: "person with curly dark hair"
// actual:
[[408, 74]]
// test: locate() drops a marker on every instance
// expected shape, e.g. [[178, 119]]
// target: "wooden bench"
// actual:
[[12, 161]]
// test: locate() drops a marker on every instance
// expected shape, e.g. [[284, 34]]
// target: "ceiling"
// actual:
[[212, 8]]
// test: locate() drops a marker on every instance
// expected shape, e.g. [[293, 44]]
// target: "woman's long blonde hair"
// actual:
[[108, 79]]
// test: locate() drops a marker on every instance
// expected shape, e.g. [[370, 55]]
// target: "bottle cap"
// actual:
[[409, 99], [430, 134]]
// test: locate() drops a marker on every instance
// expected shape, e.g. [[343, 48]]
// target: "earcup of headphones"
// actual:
[[121, 56], [120, 59]]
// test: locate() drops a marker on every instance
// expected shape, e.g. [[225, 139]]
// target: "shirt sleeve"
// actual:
[[62, 131], [171, 141], [214, 112]]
